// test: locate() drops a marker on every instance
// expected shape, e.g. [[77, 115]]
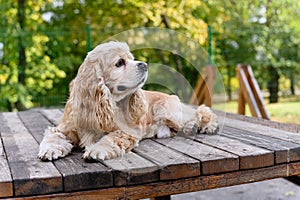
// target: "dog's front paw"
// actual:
[[101, 152], [207, 121], [54, 145], [54, 151], [163, 132]]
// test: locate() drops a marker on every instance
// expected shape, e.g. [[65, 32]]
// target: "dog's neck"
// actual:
[[123, 116], [123, 104], [127, 108]]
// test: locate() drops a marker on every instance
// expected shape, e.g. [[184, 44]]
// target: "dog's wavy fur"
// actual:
[[108, 113]]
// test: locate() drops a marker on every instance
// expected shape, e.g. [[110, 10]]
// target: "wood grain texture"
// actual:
[[284, 151], [132, 169], [241, 103], [6, 184], [212, 160], [257, 93], [101, 194], [6, 189], [250, 156], [263, 130], [272, 124], [35, 122], [247, 92], [80, 175], [184, 185], [53, 115], [172, 164], [77, 174], [183, 164], [30, 175]]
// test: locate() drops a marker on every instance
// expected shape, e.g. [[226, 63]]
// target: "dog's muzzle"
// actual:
[[142, 67], [142, 72]]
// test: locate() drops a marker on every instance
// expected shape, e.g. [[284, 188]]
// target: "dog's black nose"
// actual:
[[142, 66]]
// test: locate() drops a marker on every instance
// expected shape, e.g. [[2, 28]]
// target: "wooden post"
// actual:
[[241, 103], [204, 87], [250, 93]]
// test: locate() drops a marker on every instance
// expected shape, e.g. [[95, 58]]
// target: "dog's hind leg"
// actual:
[[198, 120], [207, 121]]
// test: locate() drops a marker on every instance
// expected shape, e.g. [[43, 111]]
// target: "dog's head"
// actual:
[[114, 63], [108, 75]]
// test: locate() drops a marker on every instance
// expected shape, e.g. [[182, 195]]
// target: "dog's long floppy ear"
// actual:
[[92, 104], [137, 105]]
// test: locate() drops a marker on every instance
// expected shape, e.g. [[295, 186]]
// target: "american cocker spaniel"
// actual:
[[108, 113]]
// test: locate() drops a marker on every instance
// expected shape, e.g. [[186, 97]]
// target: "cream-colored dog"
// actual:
[[108, 113]]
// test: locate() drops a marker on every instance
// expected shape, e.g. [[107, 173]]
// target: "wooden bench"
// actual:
[[246, 150]]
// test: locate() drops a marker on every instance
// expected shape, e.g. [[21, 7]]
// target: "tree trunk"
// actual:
[[292, 83], [229, 89], [22, 55], [178, 63], [273, 84]]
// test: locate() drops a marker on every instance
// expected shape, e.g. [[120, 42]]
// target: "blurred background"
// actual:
[[43, 43]]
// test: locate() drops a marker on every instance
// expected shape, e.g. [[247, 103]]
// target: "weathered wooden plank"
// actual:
[[35, 122], [172, 164], [209, 182], [284, 151], [184, 185], [132, 169], [241, 103], [53, 115], [250, 156], [6, 184], [80, 175], [72, 167], [247, 92], [292, 169], [263, 130], [30, 175], [212, 160], [257, 93], [272, 124], [100, 194]]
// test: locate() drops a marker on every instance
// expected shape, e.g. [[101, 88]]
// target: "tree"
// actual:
[[44, 42], [113, 17], [28, 72], [260, 33], [275, 54]]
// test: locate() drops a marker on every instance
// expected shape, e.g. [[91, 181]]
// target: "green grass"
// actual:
[[287, 110]]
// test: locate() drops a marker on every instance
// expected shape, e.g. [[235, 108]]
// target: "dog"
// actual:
[[108, 113]]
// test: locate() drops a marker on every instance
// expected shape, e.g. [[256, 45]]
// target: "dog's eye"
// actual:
[[120, 63]]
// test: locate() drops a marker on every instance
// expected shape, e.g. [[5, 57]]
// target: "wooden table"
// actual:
[[246, 150]]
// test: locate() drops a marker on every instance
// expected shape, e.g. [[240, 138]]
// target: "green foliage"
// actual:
[[40, 72], [53, 33], [261, 33]]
